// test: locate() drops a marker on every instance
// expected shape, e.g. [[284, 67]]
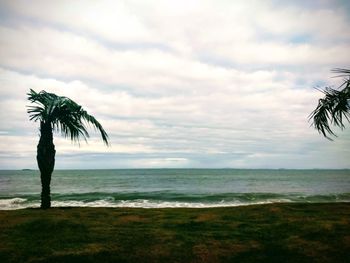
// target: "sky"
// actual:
[[176, 84]]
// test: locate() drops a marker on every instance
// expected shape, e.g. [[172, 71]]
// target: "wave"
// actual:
[[13, 203], [165, 200]]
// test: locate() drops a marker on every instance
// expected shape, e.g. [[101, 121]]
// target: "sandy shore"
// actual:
[[261, 233]]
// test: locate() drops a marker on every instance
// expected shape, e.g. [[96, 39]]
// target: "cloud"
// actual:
[[175, 84]]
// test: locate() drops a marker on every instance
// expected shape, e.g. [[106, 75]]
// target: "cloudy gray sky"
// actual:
[[176, 83]]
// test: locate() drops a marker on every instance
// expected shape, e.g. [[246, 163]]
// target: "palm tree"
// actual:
[[57, 113], [334, 107]]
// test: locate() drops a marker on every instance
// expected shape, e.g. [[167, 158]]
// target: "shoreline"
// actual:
[[163, 205], [279, 232], [255, 205]]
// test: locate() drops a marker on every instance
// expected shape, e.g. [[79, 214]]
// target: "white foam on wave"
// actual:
[[15, 203], [20, 203]]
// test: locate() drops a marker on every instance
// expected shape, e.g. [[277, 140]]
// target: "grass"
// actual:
[[262, 233]]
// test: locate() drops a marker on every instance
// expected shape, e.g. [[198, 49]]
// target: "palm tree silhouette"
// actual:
[[57, 113], [334, 107]]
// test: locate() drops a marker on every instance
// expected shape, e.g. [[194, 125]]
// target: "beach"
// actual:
[[176, 215], [285, 232], [175, 131]]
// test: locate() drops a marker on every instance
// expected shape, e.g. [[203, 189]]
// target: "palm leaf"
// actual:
[[334, 107], [64, 115]]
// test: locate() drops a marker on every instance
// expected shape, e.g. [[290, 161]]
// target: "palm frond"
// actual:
[[91, 120], [345, 72], [333, 108], [64, 115]]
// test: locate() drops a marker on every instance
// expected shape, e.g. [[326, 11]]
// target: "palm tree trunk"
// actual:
[[46, 162]]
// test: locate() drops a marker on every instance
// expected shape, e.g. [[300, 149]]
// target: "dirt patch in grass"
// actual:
[[130, 219], [206, 217], [309, 248], [346, 241], [275, 209]]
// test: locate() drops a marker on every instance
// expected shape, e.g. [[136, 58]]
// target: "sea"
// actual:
[[174, 188]]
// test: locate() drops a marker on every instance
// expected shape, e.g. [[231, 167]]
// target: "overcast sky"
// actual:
[[176, 83]]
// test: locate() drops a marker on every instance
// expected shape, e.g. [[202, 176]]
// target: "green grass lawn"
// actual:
[[261, 233]]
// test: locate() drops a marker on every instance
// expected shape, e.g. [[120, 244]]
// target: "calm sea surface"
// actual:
[[150, 188]]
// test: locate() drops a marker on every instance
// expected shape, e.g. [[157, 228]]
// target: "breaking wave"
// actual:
[[165, 200]]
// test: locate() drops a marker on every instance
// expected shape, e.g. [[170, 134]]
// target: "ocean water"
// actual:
[[160, 188]]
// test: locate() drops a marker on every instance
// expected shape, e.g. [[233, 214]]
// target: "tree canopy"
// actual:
[[63, 114]]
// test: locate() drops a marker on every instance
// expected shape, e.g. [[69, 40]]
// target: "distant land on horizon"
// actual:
[[183, 168]]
